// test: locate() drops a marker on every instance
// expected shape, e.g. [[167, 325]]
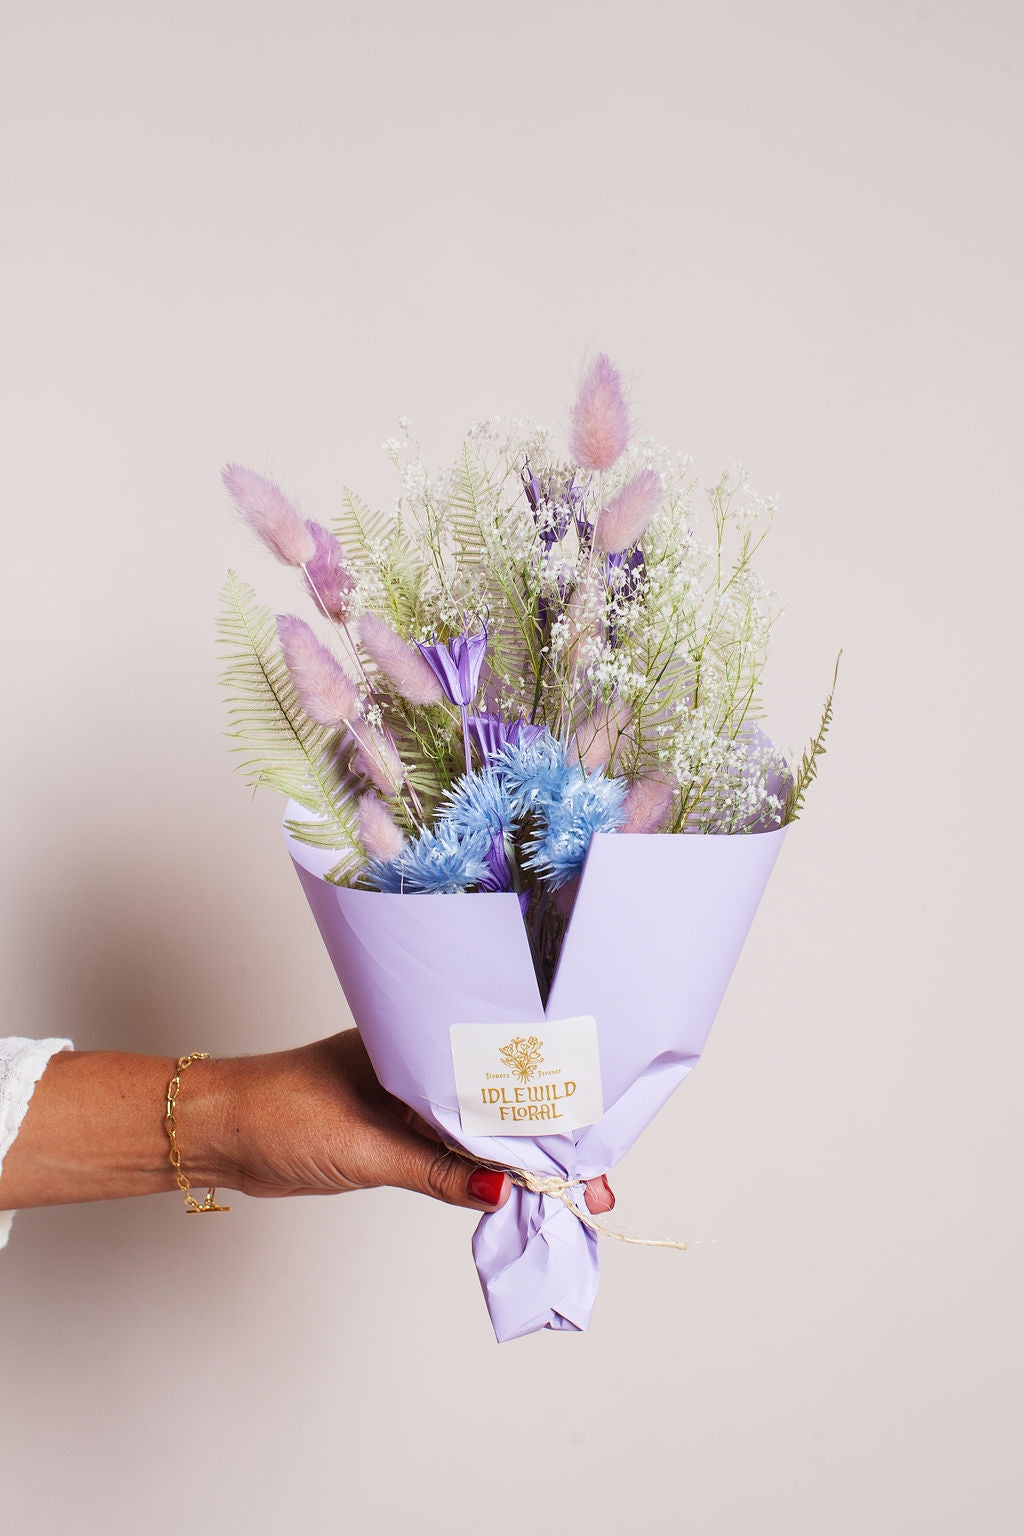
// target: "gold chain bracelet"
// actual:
[[192, 1205]]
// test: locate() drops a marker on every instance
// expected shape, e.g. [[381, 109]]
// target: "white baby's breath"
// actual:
[[675, 638]]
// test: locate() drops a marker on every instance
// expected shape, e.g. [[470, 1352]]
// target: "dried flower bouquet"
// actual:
[[535, 665]]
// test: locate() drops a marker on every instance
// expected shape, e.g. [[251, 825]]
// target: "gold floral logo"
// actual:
[[523, 1055]]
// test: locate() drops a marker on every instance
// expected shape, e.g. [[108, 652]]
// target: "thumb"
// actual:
[[429, 1169]]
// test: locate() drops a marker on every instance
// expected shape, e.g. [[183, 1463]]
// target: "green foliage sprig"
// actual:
[[808, 769], [283, 748]]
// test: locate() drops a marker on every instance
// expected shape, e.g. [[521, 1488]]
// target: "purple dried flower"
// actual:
[[623, 575], [531, 485], [487, 732], [499, 871], [630, 565], [556, 497], [456, 664], [491, 735]]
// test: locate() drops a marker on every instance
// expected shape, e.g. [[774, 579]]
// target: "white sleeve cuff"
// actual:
[[22, 1064]]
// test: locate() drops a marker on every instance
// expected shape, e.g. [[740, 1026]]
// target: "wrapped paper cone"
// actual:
[[656, 930]]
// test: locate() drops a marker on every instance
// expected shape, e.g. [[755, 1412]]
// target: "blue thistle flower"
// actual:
[[591, 803], [385, 875], [437, 863], [534, 773], [470, 844], [479, 803]]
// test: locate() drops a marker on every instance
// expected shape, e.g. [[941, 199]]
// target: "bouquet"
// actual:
[[535, 684]]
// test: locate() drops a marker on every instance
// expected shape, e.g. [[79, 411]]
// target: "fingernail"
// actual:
[[486, 1185], [609, 1192]]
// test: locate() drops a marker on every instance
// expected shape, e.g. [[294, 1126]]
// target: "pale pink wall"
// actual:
[[261, 230]]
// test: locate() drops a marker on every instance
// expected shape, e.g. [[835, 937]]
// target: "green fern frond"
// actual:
[[403, 587], [341, 874], [808, 770], [320, 834], [481, 507], [285, 748], [358, 527], [468, 510]]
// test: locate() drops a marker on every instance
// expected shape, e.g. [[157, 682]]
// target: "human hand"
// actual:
[[316, 1121], [311, 1121]]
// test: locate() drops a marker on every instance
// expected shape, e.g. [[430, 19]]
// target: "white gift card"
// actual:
[[527, 1079]]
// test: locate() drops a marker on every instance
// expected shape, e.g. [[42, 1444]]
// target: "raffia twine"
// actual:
[[559, 1189]]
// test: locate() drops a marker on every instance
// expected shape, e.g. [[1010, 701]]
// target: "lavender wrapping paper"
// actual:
[[657, 928]]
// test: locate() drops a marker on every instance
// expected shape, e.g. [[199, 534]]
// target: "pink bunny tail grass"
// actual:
[[378, 830], [624, 518], [377, 759], [599, 428], [269, 514], [403, 664], [328, 579], [598, 737], [324, 691], [647, 805]]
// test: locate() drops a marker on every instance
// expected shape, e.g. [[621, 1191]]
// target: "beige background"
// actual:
[[260, 231]]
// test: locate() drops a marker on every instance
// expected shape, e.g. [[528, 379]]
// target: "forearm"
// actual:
[[94, 1130], [304, 1121]]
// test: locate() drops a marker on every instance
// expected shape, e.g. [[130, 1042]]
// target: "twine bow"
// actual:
[[559, 1189]]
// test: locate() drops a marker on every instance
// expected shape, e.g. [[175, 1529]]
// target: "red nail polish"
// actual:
[[486, 1185], [610, 1192]]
